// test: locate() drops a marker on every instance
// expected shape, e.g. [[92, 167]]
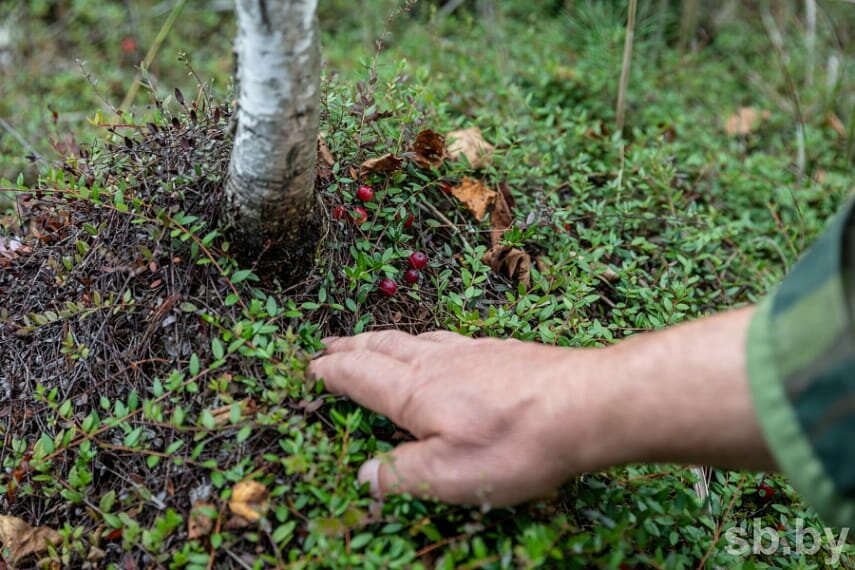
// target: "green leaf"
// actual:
[[217, 348], [360, 540], [243, 275], [107, 501]]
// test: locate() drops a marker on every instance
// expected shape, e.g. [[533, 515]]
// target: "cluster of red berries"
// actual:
[[359, 215], [417, 261]]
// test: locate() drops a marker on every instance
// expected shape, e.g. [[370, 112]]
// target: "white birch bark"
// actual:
[[270, 186]]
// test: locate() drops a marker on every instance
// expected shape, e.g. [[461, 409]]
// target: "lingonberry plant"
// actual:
[[157, 386]]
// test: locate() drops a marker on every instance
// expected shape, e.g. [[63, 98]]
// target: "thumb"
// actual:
[[414, 467]]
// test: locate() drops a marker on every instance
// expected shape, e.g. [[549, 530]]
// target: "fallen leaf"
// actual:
[[471, 144], [95, 554], [745, 121], [249, 500], [510, 262], [24, 540], [609, 275], [380, 165], [429, 149], [502, 215], [325, 158], [475, 196], [236, 523], [836, 124], [222, 415], [200, 523]]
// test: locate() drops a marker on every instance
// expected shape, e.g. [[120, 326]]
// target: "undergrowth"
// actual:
[[147, 376]]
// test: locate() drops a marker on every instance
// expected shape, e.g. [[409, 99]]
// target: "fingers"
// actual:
[[396, 344], [371, 379], [430, 469], [445, 337], [409, 468]]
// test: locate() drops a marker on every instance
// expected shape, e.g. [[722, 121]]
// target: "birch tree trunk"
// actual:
[[270, 186]]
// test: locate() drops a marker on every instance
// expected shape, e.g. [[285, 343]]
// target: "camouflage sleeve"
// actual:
[[801, 363]]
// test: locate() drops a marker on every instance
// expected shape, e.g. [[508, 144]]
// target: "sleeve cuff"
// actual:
[[782, 429]]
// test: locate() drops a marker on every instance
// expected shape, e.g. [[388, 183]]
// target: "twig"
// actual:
[[152, 53], [627, 64], [18, 137], [450, 7], [778, 43], [430, 208], [810, 39], [689, 23]]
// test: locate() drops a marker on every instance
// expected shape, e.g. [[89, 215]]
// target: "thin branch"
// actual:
[[627, 64], [152, 53], [20, 138]]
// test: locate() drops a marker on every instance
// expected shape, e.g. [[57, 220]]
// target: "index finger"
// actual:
[[371, 379]]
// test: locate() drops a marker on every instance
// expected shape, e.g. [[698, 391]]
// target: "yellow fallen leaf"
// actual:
[[249, 500], [475, 196], [471, 144], [745, 121], [24, 540]]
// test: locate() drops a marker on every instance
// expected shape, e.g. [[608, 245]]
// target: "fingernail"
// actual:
[[327, 340], [370, 473]]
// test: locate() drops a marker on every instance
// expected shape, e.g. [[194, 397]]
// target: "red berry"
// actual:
[[129, 45], [365, 193], [766, 491], [339, 212], [418, 260], [388, 287], [445, 187], [360, 216], [409, 221], [412, 276]]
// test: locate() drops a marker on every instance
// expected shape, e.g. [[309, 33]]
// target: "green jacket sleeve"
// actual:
[[801, 364]]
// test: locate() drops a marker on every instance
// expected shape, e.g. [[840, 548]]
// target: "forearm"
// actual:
[[682, 395]]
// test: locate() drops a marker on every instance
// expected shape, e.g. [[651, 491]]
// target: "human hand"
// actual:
[[497, 422]]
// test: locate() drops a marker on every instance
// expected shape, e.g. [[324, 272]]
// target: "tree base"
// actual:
[[290, 257]]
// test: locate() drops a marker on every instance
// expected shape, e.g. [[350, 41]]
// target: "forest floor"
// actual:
[[154, 409]]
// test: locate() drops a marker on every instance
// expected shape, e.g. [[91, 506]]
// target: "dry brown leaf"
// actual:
[[836, 124], [429, 149], [24, 540], [475, 196], [199, 524], [502, 215], [236, 523], [510, 262], [222, 415], [325, 158], [471, 144], [745, 121], [381, 165], [249, 500]]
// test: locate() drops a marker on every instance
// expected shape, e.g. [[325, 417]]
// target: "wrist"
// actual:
[[679, 396]]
